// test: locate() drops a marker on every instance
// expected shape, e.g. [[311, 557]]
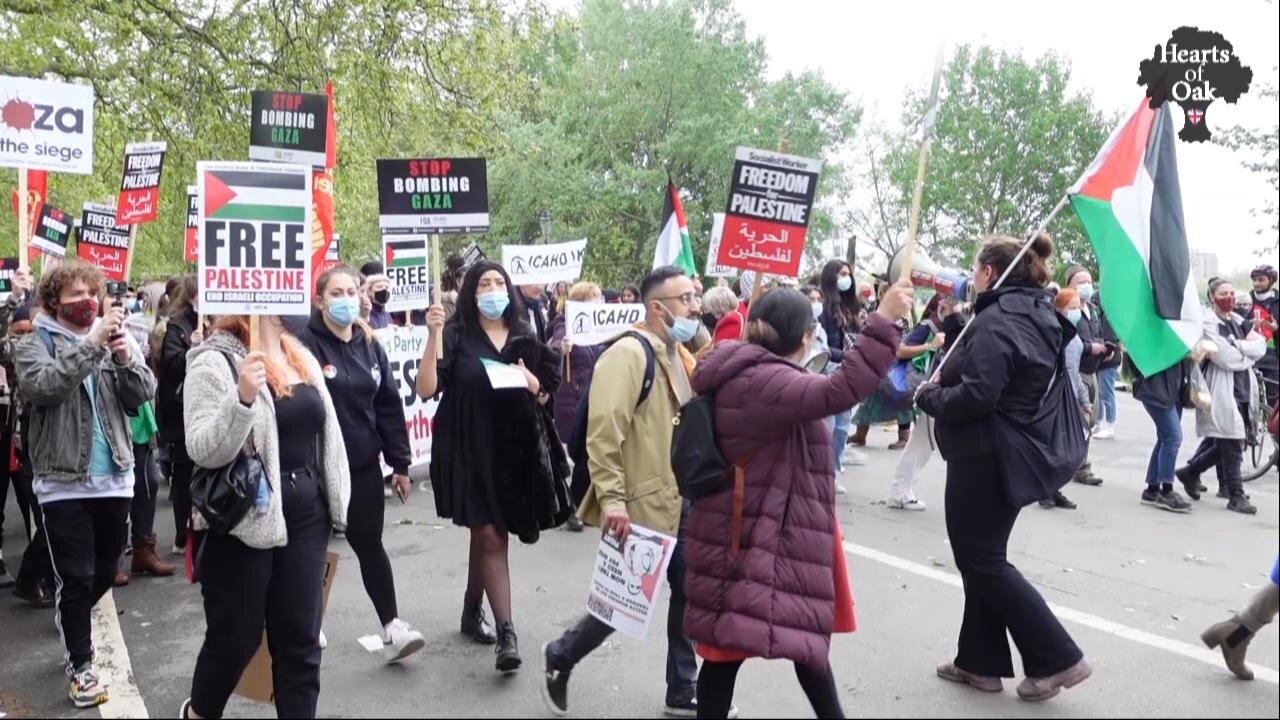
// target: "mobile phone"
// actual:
[[117, 289]]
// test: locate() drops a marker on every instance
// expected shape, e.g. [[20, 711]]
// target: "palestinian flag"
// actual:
[[405, 253], [1130, 204], [674, 247], [254, 195]]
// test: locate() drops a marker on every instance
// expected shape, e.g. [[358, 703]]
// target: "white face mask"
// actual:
[[817, 310]]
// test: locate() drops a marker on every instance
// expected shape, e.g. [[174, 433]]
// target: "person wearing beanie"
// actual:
[[377, 288]]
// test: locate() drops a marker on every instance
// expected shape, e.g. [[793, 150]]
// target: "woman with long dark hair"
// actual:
[[497, 466], [181, 333], [841, 309]]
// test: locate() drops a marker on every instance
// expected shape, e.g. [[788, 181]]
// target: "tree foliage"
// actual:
[[583, 114]]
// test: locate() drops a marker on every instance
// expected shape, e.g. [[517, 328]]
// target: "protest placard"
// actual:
[[626, 586], [441, 195], [7, 266], [52, 232], [595, 323], [714, 268], [288, 127], [544, 264], [770, 200], [332, 256], [103, 243], [139, 199], [406, 266], [191, 245], [404, 351], [255, 238], [472, 255], [46, 125]]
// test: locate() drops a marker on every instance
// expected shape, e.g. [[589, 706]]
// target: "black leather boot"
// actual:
[[508, 649], [474, 623]]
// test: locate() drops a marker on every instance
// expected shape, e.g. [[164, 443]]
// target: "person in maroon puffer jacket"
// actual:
[[786, 589]]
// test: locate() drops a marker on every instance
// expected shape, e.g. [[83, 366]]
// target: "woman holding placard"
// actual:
[[497, 466]]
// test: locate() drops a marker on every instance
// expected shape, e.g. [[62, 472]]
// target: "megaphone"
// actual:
[[925, 273]]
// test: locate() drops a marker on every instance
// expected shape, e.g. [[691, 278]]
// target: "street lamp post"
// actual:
[[544, 222]]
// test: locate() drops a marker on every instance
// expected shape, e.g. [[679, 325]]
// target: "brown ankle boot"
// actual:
[[120, 580], [859, 437], [903, 437], [1234, 635], [146, 562]]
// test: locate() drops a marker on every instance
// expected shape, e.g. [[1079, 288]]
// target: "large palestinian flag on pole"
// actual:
[[1130, 204], [674, 247]]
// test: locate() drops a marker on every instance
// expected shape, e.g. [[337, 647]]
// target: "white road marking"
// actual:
[[111, 659], [1193, 652]]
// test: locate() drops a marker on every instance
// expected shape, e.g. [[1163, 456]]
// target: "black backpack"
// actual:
[[696, 460], [577, 441]]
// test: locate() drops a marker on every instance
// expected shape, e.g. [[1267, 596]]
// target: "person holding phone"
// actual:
[[371, 415]]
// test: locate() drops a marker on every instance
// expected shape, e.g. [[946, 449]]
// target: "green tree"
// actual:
[[1010, 141]]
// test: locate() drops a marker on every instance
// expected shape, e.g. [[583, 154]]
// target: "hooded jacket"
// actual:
[[776, 598], [219, 425], [171, 366], [1222, 420]]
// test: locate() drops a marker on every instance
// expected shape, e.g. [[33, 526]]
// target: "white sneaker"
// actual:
[[911, 504], [401, 641], [1105, 431], [386, 492], [324, 641], [177, 550], [840, 489], [855, 457]]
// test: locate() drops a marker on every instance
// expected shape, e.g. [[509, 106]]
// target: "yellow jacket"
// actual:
[[630, 447]]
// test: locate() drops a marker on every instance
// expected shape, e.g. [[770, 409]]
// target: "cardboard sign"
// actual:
[[287, 127], [544, 264], [191, 245], [404, 351], [7, 266], [442, 195], [255, 238], [256, 682], [626, 587], [714, 268], [595, 323], [140, 187], [405, 262], [770, 200], [46, 125], [52, 232], [102, 242]]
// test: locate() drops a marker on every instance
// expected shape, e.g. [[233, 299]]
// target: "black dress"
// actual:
[[496, 459]]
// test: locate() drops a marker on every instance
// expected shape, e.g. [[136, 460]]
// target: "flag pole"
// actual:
[[1026, 246], [926, 142], [22, 218]]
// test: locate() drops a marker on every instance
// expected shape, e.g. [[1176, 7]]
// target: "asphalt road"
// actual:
[[1136, 586]]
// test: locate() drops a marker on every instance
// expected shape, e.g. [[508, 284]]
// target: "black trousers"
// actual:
[[365, 515], [36, 565], [246, 590], [85, 538], [1225, 455], [717, 680], [998, 601], [180, 495], [146, 484]]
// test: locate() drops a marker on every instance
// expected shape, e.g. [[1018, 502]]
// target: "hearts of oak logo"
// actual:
[[1193, 69]]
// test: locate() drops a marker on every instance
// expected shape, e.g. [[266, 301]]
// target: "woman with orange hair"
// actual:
[[268, 570]]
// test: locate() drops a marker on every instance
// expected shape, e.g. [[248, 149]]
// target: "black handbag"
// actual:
[[225, 495]]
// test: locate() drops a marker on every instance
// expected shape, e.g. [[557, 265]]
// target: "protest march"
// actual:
[[668, 357]]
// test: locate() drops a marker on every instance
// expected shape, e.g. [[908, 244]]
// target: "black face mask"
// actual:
[[381, 297]]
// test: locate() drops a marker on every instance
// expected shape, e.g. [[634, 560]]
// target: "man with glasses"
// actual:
[[629, 451]]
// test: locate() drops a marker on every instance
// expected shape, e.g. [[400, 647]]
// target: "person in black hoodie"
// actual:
[[170, 364], [371, 414], [1003, 372]]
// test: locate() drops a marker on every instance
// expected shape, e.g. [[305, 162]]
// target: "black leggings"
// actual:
[[365, 515], [716, 681], [180, 494]]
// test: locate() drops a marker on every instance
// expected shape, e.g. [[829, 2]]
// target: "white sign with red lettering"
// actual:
[[404, 350]]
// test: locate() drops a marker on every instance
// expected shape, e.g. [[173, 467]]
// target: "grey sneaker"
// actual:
[[949, 671], [1165, 500], [85, 690], [1041, 689]]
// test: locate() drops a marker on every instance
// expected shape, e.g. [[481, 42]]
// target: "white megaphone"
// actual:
[[925, 273]]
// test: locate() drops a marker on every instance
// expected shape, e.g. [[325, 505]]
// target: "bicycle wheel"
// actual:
[[1257, 472], [1260, 448]]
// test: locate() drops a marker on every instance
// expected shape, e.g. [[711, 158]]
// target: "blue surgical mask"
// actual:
[[844, 284], [680, 330], [493, 304], [1075, 316], [343, 310], [1086, 291]]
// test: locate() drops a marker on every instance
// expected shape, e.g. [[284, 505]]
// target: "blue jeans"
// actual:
[[1107, 394], [1164, 456], [840, 435]]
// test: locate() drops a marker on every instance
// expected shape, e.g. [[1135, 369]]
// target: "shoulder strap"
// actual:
[[649, 369], [739, 500], [47, 339], [235, 372]]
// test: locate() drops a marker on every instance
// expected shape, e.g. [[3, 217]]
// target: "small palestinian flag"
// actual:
[[254, 195], [1130, 204], [674, 247], [405, 253]]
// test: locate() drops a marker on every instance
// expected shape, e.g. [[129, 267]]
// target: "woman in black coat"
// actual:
[[1006, 368]]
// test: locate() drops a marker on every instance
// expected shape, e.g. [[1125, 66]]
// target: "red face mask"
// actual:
[[1225, 304], [81, 313]]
